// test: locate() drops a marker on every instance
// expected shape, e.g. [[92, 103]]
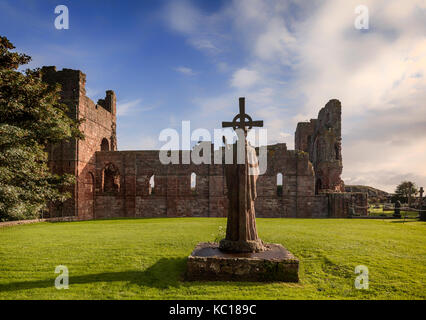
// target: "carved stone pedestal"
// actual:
[[275, 263]]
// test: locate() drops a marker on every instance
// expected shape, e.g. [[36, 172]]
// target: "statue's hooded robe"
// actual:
[[241, 184]]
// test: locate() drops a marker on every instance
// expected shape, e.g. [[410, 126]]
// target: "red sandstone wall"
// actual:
[[63, 156], [173, 196], [98, 125], [78, 157], [304, 135], [340, 204], [321, 138]]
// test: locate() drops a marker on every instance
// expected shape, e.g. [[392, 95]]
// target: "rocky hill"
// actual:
[[372, 192]]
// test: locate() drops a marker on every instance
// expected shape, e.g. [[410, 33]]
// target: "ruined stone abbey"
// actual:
[[301, 183]]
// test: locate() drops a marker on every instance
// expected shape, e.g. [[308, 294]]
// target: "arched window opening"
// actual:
[[193, 182], [151, 186], [318, 186], [110, 179], [279, 184], [104, 145], [89, 209], [90, 182]]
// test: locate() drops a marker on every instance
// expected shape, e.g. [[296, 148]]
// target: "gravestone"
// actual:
[[422, 206], [242, 255], [397, 212]]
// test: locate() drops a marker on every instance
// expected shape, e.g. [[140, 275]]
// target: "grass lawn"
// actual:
[[146, 258], [372, 211]]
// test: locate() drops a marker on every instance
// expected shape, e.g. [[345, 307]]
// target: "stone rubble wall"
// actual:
[[173, 197], [78, 157], [341, 204], [114, 183], [321, 138], [20, 222]]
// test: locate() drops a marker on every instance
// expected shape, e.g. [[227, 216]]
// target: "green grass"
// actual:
[[145, 259], [372, 211]]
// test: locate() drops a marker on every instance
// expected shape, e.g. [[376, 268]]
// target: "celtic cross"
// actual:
[[242, 117]]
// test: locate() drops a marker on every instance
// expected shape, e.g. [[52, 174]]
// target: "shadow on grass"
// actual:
[[165, 273], [405, 221], [128, 219]]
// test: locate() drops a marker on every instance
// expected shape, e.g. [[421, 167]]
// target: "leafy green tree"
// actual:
[[405, 191], [31, 117]]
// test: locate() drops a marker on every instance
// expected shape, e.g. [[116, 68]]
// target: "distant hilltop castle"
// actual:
[[111, 183]]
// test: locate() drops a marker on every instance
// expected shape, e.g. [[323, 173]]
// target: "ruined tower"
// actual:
[[78, 157], [321, 138]]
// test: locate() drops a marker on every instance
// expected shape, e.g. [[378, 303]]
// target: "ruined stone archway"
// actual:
[[104, 145], [279, 190], [110, 179], [89, 196], [318, 186], [193, 182], [151, 185]]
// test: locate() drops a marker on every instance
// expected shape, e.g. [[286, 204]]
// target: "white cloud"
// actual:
[[275, 43], [203, 44], [371, 74], [244, 78], [186, 71], [182, 17], [371, 68], [142, 143], [124, 108], [200, 29], [295, 56]]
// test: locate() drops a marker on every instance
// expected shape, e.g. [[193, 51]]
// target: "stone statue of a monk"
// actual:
[[241, 233], [229, 260]]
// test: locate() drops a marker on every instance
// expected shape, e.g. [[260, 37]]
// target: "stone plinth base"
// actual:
[[208, 263], [241, 246]]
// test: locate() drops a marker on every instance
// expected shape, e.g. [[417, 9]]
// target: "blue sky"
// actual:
[[170, 61]]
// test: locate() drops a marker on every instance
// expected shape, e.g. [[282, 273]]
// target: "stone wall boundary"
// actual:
[[21, 222]]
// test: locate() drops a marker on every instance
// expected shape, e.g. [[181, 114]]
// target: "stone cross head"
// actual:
[[242, 120]]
